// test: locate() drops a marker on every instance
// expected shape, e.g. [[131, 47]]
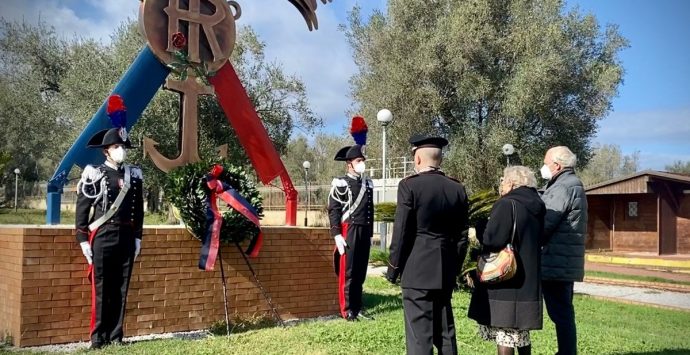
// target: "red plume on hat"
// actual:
[[117, 112], [359, 130]]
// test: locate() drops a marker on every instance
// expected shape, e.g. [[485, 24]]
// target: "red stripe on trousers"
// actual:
[[92, 278], [341, 275]]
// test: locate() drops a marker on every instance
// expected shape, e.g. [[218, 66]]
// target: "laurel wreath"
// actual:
[[187, 191]]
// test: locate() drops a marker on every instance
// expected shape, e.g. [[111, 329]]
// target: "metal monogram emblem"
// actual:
[[208, 25]]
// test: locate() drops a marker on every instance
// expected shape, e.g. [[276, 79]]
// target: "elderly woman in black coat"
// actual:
[[508, 310]]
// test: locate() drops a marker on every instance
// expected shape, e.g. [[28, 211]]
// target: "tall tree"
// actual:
[[33, 60], [679, 167], [484, 73], [608, 162]]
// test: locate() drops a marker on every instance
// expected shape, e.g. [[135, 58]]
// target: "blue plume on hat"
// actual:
[[359, 130]]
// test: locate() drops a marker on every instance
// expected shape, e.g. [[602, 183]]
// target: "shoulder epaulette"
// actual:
[[91, 174], [339, 182], [136, 172]]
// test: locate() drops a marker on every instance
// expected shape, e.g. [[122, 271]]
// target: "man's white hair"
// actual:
[[563, 156], [519, 176]]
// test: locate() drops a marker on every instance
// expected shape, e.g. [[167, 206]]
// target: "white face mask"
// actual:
[[546, 172], [360, 167], [117, 154]]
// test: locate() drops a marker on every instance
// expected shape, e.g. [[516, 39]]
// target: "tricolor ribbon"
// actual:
[[214, 219]]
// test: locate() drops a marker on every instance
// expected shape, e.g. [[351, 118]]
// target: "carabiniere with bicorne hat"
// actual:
[[110, 237], [351, 215]]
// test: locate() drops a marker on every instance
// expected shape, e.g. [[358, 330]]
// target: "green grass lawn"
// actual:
[[616, 276], [603, 328], [31, 216]]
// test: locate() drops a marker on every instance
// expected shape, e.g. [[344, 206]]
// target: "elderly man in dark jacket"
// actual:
[[562, 257]]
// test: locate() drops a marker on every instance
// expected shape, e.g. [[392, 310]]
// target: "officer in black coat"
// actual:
[[110, 237], [428, 247], [351, 212]]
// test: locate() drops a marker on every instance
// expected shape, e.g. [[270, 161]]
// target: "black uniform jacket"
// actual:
[[131, 211], [363, 215], [429, 235]]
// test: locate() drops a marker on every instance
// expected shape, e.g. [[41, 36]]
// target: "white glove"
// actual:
[[340, 243], [137, 247], [86, 249]]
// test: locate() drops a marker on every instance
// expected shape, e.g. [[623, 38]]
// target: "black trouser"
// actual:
[[558, 297], [354, 262], [113, 256], [429, 321]]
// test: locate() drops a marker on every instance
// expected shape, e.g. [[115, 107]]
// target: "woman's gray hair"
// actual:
[[520, 176], [563, 156]]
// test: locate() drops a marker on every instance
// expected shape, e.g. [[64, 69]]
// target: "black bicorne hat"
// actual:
[[349, 153], [108, 137]]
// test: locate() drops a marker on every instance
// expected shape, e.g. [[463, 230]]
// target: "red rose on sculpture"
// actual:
[[179, 41]]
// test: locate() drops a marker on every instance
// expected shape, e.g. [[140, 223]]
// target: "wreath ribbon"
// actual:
[[214, 219]]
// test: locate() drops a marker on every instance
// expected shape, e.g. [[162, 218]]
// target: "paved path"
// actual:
[[636, 294], [670, 299]]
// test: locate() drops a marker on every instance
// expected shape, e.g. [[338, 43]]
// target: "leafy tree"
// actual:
[[679, 167], [33, 61], [484, 73], [51, 87], [608, 162], [320, 154]]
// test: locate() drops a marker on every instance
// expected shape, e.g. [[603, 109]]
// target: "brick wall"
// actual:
[[10, 282], [167, 291]]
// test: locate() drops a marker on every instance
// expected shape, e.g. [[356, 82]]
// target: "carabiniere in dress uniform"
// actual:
[[351, 213], [110, 237]]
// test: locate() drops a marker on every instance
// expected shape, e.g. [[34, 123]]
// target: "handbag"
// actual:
[[501, 266]]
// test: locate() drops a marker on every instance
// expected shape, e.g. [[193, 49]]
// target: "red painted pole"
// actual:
[[253, 136]]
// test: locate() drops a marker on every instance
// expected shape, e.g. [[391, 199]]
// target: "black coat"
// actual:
[[428, 235], [515, 303]]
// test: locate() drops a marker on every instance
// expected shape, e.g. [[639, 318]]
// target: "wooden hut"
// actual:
[[647, 212]]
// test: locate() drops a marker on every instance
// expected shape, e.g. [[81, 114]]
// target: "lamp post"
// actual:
[[16, 186], [508, 150], [306, 165], [384, 117]]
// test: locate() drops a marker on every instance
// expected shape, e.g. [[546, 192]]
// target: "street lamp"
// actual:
[[16, 186], [306, 165], [508, 150], [384, 117]]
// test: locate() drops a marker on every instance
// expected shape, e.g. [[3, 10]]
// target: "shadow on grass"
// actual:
[[660, 352], [377, 303]]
